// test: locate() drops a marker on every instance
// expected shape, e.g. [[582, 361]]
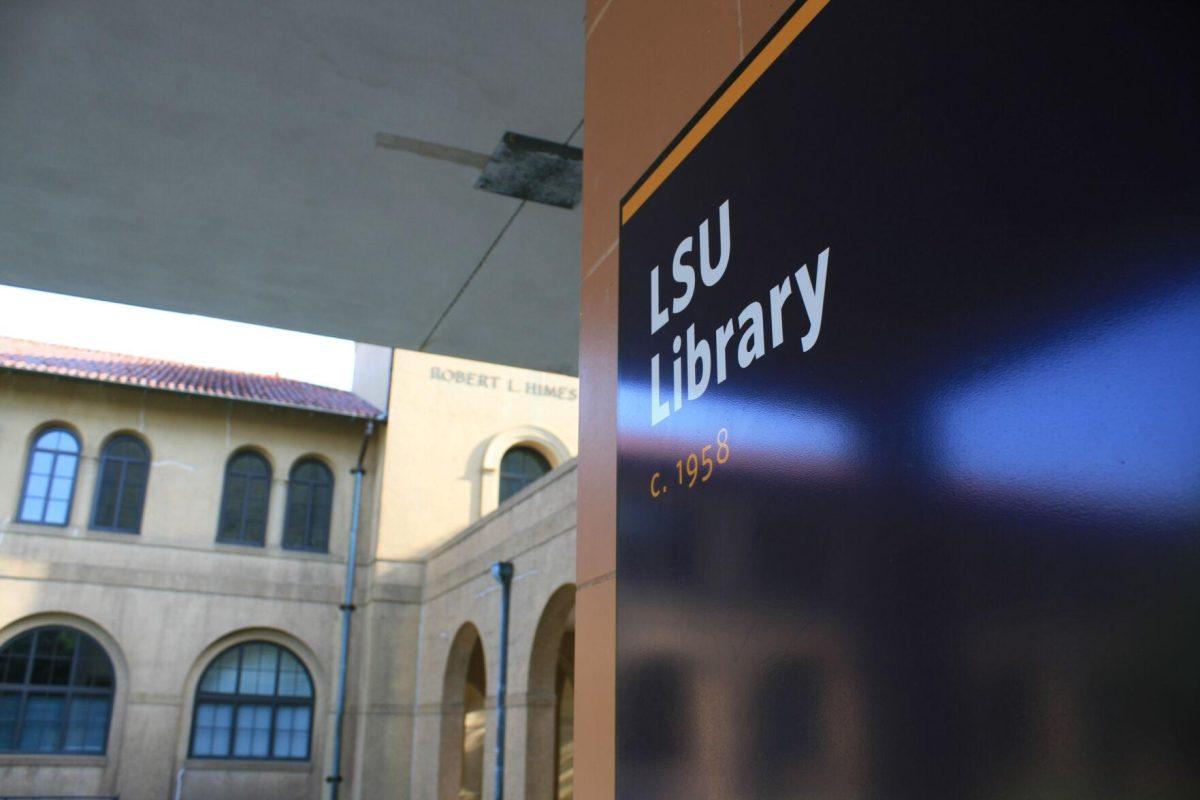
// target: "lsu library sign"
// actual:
[[908, 476]]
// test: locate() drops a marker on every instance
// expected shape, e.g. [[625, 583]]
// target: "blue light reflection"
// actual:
[[766, 434], [1104, 417]]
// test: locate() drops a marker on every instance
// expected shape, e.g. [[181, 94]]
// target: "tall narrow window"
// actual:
[[244, 500], [121, 487], [309, 505], [50, 478], [255, 700], [520, 467], [56, 693]]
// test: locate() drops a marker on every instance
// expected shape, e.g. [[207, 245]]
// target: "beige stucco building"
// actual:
[[170, 599]]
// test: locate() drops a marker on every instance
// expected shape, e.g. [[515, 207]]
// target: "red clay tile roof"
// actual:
[[74, 362]]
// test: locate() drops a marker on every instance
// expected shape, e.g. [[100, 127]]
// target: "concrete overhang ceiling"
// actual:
[[221, 158]]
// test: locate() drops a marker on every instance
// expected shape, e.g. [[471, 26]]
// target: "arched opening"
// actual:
[[464, 718], [57, 686], [245, 497], [470, 785], [50, 477], [520, 467], [121, 485], [530, 451], [309, 506], [254, 701], [233, 679], [564, 740], [551, 730]]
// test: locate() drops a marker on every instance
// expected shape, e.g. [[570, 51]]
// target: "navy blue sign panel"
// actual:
[[909, 414]]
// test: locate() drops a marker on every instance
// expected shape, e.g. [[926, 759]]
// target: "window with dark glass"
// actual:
[[121, 486], [520, 467], [255, 700], [244, 500], [309, 506], [56, 693], [50, 478]]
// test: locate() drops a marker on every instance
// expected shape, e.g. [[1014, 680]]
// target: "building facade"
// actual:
[[459, 442], [173, 560]]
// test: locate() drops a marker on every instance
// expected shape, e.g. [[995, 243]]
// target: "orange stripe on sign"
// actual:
[[754, 70]]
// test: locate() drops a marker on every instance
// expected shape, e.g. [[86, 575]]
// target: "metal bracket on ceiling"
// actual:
[[523, 167], [534, 169]]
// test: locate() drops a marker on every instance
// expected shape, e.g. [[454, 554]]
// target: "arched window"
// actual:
[[520, 467], [244, 499], [50, 478], [121, 487], [309, 504], [56, 692], [502, 455], [255, 700]]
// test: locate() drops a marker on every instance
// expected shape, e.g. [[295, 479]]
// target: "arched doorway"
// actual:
[[564, 742], [550, 746], [464, 718], [470, 786]]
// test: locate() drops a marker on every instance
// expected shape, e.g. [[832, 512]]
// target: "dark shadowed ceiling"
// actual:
[[219, 158]]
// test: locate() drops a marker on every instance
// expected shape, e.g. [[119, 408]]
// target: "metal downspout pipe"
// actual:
[[347, 608], [503, 572]]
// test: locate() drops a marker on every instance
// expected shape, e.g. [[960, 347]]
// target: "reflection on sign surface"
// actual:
[[955, 549]]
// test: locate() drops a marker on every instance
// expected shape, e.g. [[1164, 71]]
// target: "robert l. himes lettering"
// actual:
[[499, 383], [748, 327]]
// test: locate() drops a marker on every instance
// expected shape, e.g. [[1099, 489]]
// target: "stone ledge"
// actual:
[[52, 760], [245, 765]]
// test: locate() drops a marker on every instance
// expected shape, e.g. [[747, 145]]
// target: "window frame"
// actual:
[[242, 541], [237, 700], [105, 457], [34, 449], [68, 692], [307, 547], [523, 447]]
